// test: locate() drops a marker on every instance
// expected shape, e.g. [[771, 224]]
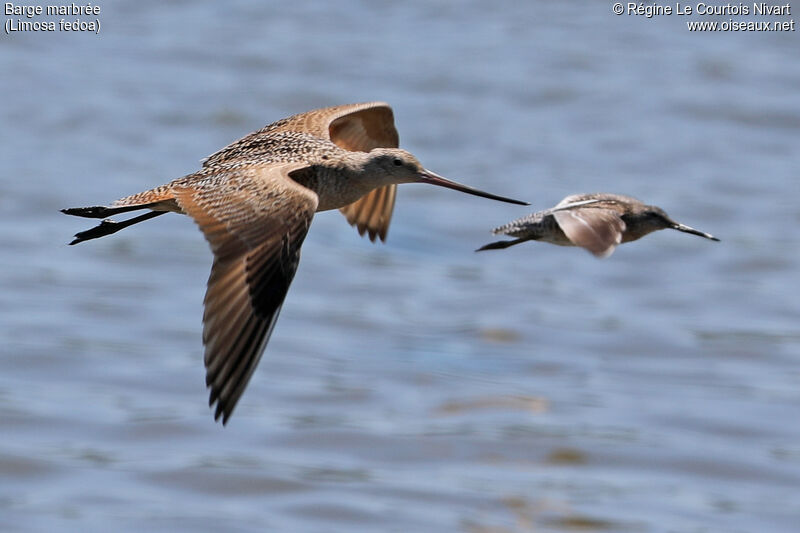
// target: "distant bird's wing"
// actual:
[[571, 202], [255, 219], [594, 228], [358, 128]]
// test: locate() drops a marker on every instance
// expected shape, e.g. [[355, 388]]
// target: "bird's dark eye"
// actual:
[[397, 162]]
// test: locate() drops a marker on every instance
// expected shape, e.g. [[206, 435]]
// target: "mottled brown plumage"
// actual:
[[596, 221], [254, 201]]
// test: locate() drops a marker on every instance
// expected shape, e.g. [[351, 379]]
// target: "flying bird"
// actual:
[[254, 201], [597, 222]]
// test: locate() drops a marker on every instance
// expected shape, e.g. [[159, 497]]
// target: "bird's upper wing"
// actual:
[[594, 228], [358, 128], [255, 219], [354, 127], [573, 201]]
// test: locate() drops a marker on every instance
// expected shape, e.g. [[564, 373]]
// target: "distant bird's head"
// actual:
[[393, 165], [652, 218]]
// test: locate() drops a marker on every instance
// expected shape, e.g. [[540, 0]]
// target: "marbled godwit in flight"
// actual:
[[597, 222], [254, 201]]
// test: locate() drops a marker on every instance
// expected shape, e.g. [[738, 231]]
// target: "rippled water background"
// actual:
[[411, 386]]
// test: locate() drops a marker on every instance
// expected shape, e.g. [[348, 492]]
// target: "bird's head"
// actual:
[[654, 218]]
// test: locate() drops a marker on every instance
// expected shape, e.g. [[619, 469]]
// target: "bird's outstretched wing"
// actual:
[[255, 218], [594, 228]]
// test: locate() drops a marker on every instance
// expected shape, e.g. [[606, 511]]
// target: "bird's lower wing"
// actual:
[[255, 219], [372, 213], [596, 229]]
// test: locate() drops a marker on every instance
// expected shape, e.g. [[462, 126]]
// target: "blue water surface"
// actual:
[[415, 385]]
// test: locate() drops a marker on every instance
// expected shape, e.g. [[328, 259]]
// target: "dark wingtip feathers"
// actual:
[[220, 411], [372, 234]]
